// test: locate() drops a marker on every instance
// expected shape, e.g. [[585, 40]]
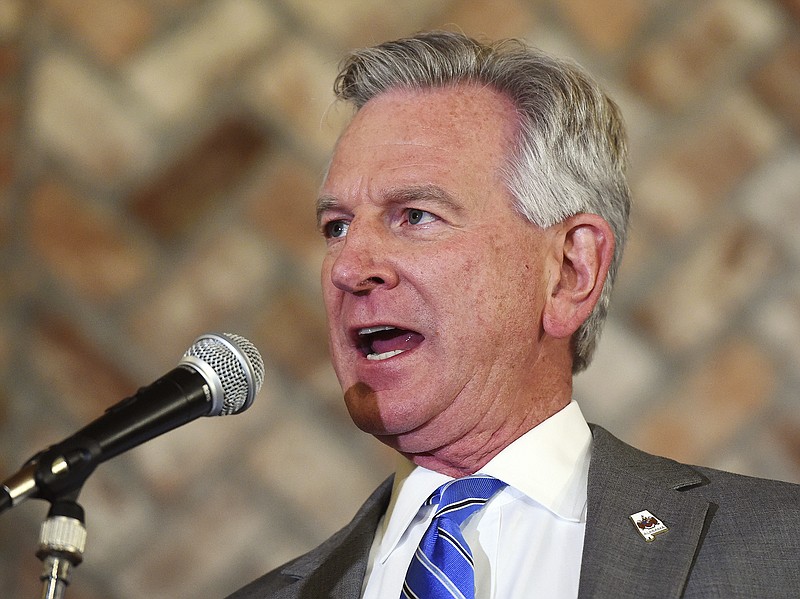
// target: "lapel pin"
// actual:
[[648, 525]]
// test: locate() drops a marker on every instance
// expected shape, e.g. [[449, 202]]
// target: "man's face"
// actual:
[[433, 285]]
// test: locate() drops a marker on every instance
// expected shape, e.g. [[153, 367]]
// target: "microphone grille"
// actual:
[[235, 363]]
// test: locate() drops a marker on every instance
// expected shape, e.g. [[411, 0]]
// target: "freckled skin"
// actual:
[[475, 279]]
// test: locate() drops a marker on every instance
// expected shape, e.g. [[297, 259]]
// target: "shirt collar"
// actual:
[[412, 486], [549, 464]]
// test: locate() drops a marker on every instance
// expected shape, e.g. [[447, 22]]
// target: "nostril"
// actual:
[[368, 285], [371, 281]]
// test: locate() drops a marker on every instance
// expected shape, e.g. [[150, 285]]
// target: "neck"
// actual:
[[473, 451], [462, 440]]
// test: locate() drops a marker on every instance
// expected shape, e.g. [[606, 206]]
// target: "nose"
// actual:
[[363, 261]]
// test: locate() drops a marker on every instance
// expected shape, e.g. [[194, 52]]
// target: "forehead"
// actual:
[[474, 110], [463, 130]]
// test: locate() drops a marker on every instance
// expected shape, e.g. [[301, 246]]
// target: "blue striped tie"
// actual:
[[442, 567]]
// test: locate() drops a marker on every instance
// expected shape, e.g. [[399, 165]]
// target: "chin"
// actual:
[[363, 405], [378, 415]]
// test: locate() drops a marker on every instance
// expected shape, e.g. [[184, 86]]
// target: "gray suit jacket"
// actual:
[[729, 536]]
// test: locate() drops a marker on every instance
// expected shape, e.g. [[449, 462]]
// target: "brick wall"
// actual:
[[158, 162]]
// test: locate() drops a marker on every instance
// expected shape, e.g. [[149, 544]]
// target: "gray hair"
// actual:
[[569, 155]]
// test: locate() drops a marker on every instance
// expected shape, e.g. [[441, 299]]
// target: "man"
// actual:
[[474, 212]]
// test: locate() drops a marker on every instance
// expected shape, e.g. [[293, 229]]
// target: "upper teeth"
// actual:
[[370, 330]]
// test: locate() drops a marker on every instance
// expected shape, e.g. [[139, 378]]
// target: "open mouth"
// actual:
[[383, 341]]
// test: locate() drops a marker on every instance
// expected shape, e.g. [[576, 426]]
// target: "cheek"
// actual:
[[511, 288], [330, 293], [473, 291], [325, 271]]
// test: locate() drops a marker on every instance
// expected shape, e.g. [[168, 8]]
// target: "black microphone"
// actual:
[[219, 374]]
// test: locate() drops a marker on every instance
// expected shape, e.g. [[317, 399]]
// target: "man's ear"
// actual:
[[585, 248]]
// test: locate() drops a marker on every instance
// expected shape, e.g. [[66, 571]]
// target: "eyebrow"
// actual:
[[324, 204], [399, 195]]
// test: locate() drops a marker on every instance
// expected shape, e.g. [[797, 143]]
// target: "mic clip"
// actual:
[[56, 472]]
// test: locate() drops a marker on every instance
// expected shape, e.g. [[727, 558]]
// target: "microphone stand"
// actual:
[[57, 475], [62, 540]]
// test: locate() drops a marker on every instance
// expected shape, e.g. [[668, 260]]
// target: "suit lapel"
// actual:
[[617, 561], [336, 568]]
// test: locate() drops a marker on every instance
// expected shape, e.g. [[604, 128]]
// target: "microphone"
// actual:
[[219, 374]]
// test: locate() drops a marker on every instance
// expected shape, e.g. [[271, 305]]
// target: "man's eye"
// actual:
[[335, 229], [419, 217]]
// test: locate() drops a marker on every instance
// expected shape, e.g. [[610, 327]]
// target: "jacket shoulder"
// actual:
[[711, 483]]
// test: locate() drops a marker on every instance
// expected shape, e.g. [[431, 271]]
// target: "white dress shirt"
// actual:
[[528, 539]]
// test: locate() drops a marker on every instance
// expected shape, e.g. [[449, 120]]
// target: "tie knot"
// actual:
[[459, 499]]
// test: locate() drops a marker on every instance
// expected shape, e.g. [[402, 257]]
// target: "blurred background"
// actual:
[[159, 161]]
